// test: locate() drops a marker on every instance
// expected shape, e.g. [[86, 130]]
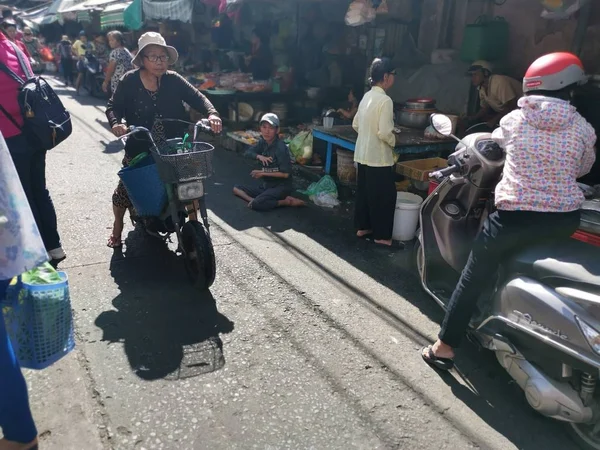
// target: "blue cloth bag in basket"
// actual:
[[39, 321], [145, 188]]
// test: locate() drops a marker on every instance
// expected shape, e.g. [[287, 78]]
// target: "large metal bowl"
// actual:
[[414, 119]]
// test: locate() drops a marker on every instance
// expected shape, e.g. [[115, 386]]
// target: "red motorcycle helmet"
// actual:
[[554, 72]]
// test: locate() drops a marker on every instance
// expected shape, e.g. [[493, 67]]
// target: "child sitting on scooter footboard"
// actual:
[[275, 174]]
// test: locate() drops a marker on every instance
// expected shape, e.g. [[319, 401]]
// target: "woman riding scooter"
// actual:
[[143, 96], [548, 145]]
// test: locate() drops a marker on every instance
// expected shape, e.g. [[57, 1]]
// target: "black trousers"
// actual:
[[67, 67], [266, 198], [375, 201], [31, 167], [503, 232]]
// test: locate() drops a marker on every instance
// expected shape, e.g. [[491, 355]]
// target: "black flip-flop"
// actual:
[[435, 361]]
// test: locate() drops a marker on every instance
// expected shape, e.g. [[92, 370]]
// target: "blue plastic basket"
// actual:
[[39, 322], [145, 188]]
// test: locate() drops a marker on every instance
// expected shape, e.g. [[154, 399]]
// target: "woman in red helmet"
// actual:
[[548, 146]]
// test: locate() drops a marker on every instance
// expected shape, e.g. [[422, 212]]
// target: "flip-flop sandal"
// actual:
[[114, 242], [435, 361]]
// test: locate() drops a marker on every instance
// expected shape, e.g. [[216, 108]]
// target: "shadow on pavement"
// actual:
[[169, 330], [489, 391]]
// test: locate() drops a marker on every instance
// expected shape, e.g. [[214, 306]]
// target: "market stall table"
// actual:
[[410, 142], [235, 97]]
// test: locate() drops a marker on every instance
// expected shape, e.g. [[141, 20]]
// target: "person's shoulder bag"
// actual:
[[46, 122]]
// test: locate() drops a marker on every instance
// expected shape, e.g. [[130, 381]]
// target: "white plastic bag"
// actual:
[[359, 13], [325, 199], [561, 10]]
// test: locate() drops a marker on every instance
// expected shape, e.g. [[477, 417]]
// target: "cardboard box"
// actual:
[[420, 169]]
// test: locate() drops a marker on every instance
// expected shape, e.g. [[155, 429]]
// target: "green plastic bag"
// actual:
[[44, 274], [325, 185], [301, 147]]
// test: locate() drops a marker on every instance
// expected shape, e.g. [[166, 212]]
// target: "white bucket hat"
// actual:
[[152, 38]]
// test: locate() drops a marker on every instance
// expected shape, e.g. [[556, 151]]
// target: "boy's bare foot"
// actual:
[[363, 233], [292, 201]]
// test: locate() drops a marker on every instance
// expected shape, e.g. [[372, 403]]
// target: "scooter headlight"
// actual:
[[591, 334], [190, 191]]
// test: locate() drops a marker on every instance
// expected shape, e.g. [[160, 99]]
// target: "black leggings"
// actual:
[[375, 201], [503, 233]]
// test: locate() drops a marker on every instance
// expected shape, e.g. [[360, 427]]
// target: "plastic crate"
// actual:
[[145, 188], [39, 322]]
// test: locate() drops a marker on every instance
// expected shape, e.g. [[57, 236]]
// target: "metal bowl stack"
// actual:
[[415, 113]]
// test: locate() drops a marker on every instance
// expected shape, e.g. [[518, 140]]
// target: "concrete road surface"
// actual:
[[308, 339]]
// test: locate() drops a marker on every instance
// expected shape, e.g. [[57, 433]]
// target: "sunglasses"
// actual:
[[27, 34]]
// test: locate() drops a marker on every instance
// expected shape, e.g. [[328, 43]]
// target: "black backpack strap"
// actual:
[[21, 57], [4, 68], [9, 117]]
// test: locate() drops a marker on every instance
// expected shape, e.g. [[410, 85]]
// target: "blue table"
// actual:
[[411, 142]]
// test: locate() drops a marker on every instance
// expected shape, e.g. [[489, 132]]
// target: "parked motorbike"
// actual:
[[183, 173], [540, 313], [93, 76]]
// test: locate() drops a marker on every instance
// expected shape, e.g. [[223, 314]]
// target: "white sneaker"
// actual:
[[57, 254]]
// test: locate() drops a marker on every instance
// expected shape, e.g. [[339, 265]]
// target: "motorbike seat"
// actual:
[[568, 261]]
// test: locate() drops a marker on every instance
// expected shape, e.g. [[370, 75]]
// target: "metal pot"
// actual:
[[414, 119], [419, 104]]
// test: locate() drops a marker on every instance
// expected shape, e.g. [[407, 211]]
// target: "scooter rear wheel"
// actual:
[[199, 255]]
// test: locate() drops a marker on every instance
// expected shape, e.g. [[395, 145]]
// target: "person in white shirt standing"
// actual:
[[376, 189]]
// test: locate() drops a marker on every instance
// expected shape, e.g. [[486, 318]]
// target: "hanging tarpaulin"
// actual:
[[84, 16], [561, 9], [113, 16], [132, 16], [180, 10]]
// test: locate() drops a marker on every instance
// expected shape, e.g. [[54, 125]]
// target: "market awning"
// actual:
[[133, 16], [170, 10], [112, 16]]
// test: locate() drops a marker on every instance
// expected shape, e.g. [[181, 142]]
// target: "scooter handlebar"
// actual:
[[442, 173]]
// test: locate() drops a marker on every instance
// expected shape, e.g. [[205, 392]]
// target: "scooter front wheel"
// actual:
[[199, 255], [586, 435]]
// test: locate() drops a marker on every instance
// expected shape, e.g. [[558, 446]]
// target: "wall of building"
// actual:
[[443, 23], [532, 36]]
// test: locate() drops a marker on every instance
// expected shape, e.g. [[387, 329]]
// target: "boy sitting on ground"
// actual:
[[276, 172]]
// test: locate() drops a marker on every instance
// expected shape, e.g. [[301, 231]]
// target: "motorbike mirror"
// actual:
[[442, 124]]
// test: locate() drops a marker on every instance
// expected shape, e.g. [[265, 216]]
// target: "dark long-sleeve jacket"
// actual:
[[282, 161], [139, 107]]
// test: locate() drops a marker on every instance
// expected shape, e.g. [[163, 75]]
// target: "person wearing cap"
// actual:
[[276, 173], [548, 145], [498, 94], [376, 188], [141, 97]]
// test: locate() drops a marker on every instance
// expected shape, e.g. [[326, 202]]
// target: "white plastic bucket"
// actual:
[[327, 122], [406, 217]]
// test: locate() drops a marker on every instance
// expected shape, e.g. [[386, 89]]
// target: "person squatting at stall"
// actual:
[[548, 145], [376, 188], [498, 94], [276, 173]]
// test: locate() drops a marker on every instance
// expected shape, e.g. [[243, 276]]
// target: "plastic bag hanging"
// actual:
[[561, 9]]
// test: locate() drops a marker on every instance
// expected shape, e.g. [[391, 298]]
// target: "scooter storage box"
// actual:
[[420, 169], [145, 188]]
